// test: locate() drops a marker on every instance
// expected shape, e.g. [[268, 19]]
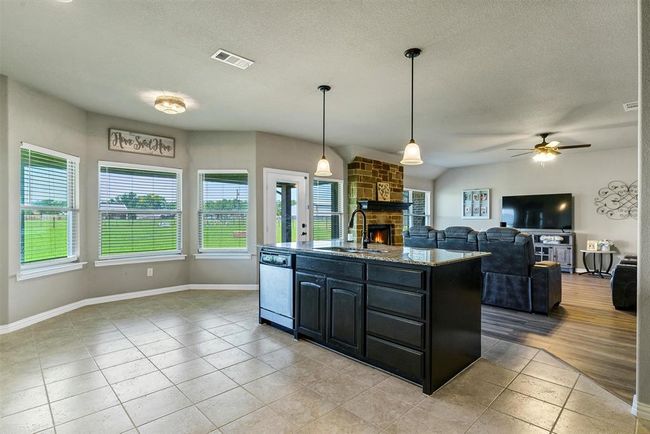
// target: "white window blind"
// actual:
[[327, 199], [418, 214], [49, 213], [223, 211], [139, 210]]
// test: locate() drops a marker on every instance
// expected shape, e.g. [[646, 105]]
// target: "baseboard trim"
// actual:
[[223, 287], [39, 317], [640, 409]]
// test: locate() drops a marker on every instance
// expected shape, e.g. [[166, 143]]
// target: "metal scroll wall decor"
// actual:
[[618, 200]]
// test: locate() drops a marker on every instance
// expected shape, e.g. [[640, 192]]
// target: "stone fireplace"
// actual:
[[363, 176]]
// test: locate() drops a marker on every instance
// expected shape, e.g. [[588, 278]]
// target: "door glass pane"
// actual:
[[286, 212]]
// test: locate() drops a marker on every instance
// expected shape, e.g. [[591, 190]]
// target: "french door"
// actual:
[[286, 206]]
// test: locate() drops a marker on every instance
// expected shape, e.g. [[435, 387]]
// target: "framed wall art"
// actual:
[[476, 204], [138, 143]]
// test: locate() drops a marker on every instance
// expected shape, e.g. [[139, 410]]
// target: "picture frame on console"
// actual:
[[476, 204]]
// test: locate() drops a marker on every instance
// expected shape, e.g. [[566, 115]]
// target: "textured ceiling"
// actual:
[[492, 73]]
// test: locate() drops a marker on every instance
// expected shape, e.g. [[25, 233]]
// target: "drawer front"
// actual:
[[396, 358], [395, 329], [396, 301], [396, 276], [331, 267]]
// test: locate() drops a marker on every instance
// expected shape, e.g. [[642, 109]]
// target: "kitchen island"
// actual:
[[413, 312]]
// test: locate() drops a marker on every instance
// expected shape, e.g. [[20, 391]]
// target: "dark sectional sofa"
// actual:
[[511, 277]]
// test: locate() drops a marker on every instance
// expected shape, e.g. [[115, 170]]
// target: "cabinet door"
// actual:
[[561, 256], [310, 294], [345, 321]]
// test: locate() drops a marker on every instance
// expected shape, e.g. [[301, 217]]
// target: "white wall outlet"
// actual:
[[149, 272]]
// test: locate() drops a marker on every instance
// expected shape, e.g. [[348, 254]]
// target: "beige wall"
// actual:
[[126, 278], [286, 153], [39, 119], [43, 120], [222, 150], [580, 173]]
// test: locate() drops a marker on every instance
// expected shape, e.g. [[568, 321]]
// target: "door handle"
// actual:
[[304, 233]]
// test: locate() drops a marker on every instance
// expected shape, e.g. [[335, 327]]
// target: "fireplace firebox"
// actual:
[[381, 234]]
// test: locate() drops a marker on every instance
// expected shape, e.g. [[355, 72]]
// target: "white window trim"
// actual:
[[341, 204], [31, 270], [139, 260], [427, 204], [33, 273], [225, 253], [140, 257]]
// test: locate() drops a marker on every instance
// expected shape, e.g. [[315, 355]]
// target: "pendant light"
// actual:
[[411, 155], [323, 167]]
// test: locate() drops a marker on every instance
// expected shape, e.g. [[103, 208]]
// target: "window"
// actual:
[[418, 214], [327, 199], [139, 210], [49, 213], [223, 211]]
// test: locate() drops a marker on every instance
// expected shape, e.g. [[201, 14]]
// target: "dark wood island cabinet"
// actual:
[[415, 313]]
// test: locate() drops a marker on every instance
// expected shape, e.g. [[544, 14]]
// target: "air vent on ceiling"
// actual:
[[629, 106], [231, 59]]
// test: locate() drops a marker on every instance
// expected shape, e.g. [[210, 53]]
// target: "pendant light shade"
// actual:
[[323, 167], [412, 150], [411, 155]]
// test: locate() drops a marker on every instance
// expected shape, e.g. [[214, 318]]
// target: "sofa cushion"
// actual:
[[512, 252], [458, 238]]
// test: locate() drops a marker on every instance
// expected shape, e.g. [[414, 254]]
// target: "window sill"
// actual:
[[138, 260], [223, 255], [34, 273]]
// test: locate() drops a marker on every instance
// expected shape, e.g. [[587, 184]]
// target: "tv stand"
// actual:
[[563, 252]]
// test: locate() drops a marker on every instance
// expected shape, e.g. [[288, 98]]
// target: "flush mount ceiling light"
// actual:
[[323, 167], [170, 105], [412, 150]]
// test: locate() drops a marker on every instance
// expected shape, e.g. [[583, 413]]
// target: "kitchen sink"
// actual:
[[350, 250]]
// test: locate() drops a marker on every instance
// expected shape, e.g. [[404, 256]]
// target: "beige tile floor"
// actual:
[[198, 362]]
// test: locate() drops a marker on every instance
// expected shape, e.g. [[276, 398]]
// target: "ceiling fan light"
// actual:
[[170, 105], [543, 157], [411, 154], [323, 167]]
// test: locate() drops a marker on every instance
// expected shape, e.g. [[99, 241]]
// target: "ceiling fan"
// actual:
[[546, 151]]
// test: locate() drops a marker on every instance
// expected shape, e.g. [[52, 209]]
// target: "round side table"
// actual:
[[598, 262]]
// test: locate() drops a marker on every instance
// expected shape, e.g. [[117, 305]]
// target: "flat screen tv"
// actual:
[[539, 211]]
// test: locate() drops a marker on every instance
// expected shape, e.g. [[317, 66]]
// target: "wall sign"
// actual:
[[138, 143], [618, 200], [476, 204]]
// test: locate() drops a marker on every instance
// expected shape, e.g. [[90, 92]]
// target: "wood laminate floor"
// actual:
[[585, 331]]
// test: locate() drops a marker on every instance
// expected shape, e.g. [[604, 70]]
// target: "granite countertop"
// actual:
[[380, 252]]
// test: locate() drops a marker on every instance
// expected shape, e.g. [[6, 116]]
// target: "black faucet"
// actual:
[[364, 231]]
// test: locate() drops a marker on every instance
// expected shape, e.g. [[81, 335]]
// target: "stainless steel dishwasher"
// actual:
[[276, 288]]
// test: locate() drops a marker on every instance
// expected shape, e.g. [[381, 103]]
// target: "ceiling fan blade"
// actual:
[[519, 149], [519, 155], [573, 146]]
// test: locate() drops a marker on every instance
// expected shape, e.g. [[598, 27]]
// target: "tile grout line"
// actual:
[[500, 393], [565, 401]]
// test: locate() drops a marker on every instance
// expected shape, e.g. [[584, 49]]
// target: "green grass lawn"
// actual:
[[48, 239]]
